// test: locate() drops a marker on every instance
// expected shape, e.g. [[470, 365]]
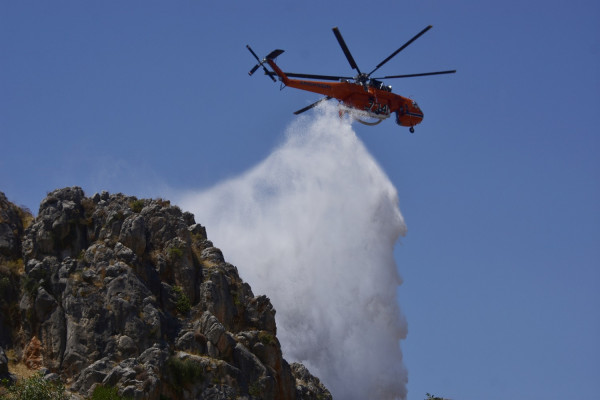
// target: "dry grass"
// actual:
[[21, 370], [16, 267], [27, 217], [18, 368], [209, 263]]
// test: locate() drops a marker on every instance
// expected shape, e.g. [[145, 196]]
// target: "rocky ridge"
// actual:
[[130, 293]]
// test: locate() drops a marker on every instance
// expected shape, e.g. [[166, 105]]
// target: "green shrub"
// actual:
[[30, 286], [236, 298], [183, 304], [136, 205], [266, 338], [36, 388], [107, 393], [255, 390], [184, 372], [175, 253]]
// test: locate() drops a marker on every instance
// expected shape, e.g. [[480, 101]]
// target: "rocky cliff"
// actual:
[[130, 293]]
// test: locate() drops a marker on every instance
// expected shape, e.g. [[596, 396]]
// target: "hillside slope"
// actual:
[[130, 293]]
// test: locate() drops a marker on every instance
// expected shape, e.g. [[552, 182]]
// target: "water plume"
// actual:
[[314, 226]]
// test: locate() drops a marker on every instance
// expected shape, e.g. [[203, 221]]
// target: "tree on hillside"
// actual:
[[432, 397]]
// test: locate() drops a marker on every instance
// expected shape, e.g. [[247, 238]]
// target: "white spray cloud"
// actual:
[[314, 226]]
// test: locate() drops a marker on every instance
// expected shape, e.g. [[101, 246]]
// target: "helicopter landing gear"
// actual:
[[411, 129]]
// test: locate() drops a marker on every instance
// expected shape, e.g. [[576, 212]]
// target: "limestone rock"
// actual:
[[130, 293], [33, 354], [3, 363], [308, 386], [12, 219]]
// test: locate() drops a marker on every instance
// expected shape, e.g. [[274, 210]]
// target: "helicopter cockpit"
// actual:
[[379, 85]]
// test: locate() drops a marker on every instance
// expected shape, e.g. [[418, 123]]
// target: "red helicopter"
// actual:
[[362, 95]]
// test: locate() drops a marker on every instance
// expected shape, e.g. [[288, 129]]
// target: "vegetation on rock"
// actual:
[[36, 388]]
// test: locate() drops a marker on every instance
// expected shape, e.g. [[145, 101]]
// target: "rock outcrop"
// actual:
[[130, 293]]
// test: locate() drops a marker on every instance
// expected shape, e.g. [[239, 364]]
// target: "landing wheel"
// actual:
[[412, 129]]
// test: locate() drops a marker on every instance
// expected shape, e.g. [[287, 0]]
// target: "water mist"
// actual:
[[313, 227]]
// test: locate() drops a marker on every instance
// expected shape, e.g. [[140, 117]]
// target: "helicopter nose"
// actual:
[[416, 115], [411, 117]]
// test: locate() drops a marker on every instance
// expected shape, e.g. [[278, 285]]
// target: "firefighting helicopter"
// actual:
[[361, 95]]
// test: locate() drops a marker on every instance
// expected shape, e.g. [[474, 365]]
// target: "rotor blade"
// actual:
[[311, 76], [405, 45], [413, 75], [313, 105], [253, 53], [253, 70], [267, 73], [345, 49]]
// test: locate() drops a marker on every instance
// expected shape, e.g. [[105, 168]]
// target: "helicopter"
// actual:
[[361, 95]]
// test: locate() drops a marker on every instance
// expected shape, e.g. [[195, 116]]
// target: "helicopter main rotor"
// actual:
[[362, 78]]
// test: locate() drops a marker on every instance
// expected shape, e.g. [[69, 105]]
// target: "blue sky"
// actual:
[[499, 186]]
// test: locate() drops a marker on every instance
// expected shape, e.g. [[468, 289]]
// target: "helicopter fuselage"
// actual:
[[376, 102]]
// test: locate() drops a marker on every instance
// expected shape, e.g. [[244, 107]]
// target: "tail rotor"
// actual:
[[260, 64]]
